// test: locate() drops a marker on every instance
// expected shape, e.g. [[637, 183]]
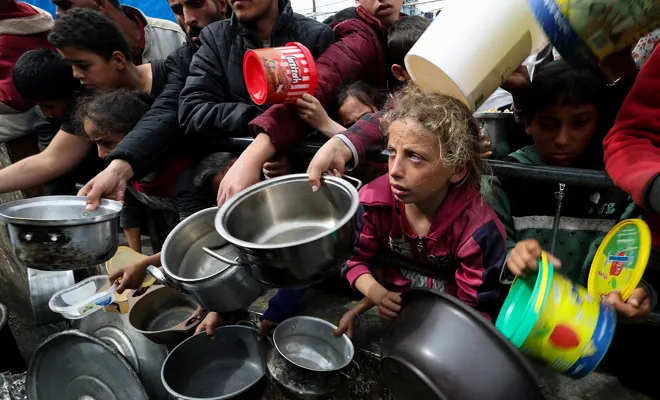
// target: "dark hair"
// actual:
[[364, 92], [402, 35], [558, 82], [115, 112], [42, 75], [91, 31], [209, 167]]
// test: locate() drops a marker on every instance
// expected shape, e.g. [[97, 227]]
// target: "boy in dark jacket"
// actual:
[[359, 54], [561, 112]]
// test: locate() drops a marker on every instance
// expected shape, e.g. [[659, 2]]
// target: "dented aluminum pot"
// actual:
[[55, 233]]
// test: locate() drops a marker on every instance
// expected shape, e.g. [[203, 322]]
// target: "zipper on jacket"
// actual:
[[555, 226], [420, 247]]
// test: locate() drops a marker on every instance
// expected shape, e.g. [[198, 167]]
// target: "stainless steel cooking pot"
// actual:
[[440, 348], [285, 234], [54, 233], [214, 284]]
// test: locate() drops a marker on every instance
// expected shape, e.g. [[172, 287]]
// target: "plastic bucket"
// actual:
[[590, 30], [473, 46], [279, 74], [557, 322]]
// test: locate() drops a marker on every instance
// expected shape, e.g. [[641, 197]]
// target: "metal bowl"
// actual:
[[55, 233], [285, 234], [309, 343]]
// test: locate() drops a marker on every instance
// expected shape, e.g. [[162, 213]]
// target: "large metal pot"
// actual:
[[440, 348], [55, 233], [215, 285], [288, 236]]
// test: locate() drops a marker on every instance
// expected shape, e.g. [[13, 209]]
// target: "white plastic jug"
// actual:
[[473, 46]]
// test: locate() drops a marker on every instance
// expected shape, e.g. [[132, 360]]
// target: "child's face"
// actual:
[[93, 71], [104, 142], [417, 173], [562, 133], [352, 110], [387, 11], [53, 108]]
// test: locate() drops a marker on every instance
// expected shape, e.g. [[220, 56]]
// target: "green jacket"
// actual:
[[527, 209]]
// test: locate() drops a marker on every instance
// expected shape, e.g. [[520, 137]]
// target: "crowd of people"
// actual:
[[158, 101]]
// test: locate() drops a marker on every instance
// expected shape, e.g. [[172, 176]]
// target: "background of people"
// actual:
[[139, 109]]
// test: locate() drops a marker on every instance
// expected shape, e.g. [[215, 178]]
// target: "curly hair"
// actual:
[[113, 112], [449, 120]]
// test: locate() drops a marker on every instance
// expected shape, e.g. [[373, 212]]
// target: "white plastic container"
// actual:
[[473, 46], [83, 298]]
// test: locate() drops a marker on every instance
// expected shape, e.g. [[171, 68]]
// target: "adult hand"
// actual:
[[333, 155], [525, 256], [635, 309], [110, 183], [131, 277]]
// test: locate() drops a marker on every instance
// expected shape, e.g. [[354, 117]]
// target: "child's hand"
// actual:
[[389, 306], [484, 146], [636, 309], [312, 112], [347, 324], [278, 166], [526, 255], [265, 328], [131, 276], [208, 324]]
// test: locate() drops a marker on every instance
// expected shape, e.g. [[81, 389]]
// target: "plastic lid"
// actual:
[[522, 306], [126, 256], [255, 78], [621, 259]]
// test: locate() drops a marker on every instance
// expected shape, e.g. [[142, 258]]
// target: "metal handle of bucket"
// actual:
[[355, 181], [163, 279], [221, 258]]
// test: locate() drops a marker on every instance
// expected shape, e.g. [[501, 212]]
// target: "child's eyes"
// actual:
[[581, 123], [391, 152], [415, 157]]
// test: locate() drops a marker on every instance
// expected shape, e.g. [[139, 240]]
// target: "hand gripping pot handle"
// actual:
[[164, 280]]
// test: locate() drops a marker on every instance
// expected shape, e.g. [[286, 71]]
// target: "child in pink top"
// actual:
[[427, 215]]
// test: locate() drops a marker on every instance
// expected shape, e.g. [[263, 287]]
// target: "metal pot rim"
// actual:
[[230, 204], [112, 205], [3, 316], [493, 115], [331, 326], [227, 396]]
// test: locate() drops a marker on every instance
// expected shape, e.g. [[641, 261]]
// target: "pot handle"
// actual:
[[220, 258], [352, 366], [163, 280], [355, 181], [190, 323], [247, 323]]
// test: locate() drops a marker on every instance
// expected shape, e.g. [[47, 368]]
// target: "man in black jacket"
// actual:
[[214, 102], [157, 133]]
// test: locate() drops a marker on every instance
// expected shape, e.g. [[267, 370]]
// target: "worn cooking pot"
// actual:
[[438, 345], [54, 233], [285, 234], [214, 284], [307, 362], [230, 366], [164, 315]]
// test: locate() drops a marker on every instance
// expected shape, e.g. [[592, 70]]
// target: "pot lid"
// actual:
[[76, 365], [57, 211]]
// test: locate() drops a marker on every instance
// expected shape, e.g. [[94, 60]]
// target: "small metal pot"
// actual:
[[215, 285], [288, 236], [55, 233], [440, 348], [164, 315], [307, 362]]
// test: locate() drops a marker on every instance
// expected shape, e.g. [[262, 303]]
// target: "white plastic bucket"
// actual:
[[473, 46]]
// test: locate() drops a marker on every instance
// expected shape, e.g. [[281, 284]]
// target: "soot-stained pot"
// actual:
[[440, 348], [55, 233]]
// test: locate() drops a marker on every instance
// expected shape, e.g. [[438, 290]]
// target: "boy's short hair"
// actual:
[[558, 82], [403, 35], [91, 31], [43, 75], [114, 112], [209, 167]]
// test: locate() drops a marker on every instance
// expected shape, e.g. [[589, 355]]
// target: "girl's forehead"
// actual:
[[409, 131]]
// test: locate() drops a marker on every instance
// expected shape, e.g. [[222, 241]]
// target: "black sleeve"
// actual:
[[205, 106], [159, 77], [158, 130]]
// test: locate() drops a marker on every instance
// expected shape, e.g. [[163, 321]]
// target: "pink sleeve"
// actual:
[[366, 245]]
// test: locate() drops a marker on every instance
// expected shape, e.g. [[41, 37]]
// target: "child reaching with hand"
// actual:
[[427, 214]]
